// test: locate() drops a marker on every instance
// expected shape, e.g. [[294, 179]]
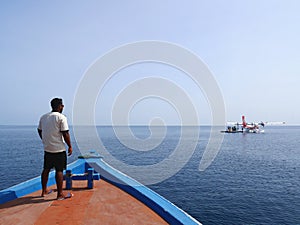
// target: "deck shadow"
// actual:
[[26, 200]]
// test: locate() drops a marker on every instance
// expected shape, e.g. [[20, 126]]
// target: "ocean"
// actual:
[[255, 178]]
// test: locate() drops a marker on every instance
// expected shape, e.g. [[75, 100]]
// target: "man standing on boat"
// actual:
[[53, 129]]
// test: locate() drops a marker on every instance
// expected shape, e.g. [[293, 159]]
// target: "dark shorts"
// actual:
[[55, 160]]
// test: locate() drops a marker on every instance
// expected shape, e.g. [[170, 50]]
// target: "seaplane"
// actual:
[[245, 127], [253, 127]]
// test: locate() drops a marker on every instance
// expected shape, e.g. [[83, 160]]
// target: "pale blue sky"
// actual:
[[252, 47]]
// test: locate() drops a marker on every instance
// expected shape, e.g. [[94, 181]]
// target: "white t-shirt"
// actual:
[[51, 124]]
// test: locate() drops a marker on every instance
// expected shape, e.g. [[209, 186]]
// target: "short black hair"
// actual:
[[56, 102]]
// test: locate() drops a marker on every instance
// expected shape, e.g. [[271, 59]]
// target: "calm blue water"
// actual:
[[255, 179]]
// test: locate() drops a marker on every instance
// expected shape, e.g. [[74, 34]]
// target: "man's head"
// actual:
[[57, 105]]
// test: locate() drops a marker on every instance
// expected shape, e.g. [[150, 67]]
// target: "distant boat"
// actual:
[[232, 129]]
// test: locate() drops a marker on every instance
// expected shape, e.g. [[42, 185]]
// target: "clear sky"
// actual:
[[251, 46]]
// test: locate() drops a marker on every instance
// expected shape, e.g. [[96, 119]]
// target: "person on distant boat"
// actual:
[[53, 129]]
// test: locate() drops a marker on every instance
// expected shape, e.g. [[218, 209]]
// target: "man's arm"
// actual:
[[67, 139], [40, 133]]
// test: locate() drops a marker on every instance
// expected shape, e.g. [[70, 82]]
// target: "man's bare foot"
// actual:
[[46, 192], [63, 197]]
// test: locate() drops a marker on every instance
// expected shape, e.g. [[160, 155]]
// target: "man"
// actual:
[[54, 131]]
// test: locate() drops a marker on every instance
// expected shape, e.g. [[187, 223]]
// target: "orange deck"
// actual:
[[105, 204]]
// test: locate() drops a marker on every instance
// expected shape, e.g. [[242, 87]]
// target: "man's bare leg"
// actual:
[[44, 181], [59, 183]]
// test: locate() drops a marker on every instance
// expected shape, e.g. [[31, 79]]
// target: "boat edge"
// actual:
[[163, 207]]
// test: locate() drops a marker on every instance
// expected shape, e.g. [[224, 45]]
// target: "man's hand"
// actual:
[[67, 139], [70, 151]]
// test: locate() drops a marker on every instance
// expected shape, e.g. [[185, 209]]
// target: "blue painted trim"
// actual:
[[34, 184], [24, 188]]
